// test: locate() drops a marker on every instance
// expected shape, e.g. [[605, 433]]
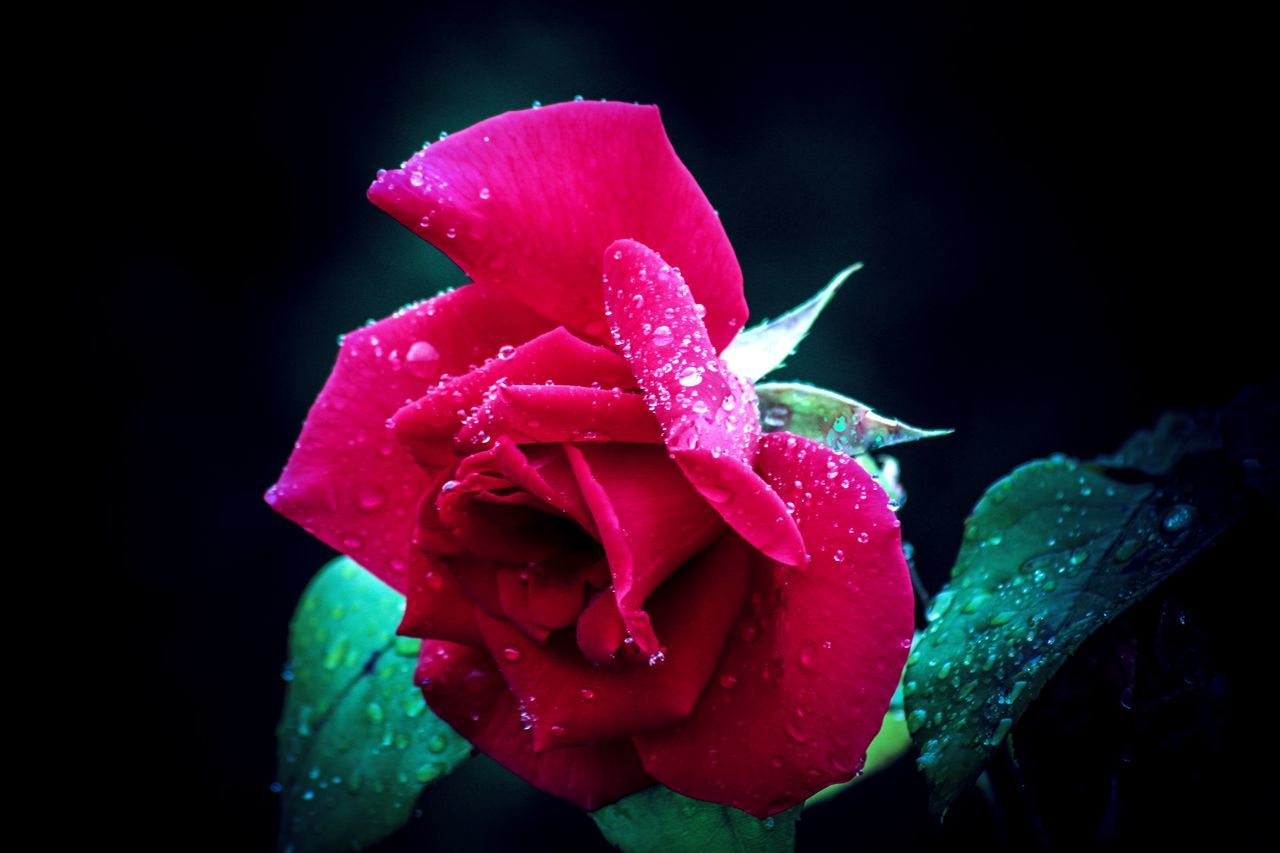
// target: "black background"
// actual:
[[1056, 210]]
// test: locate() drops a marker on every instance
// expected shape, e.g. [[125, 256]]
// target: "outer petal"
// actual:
[[527, 202], [806, 678], [708, 416], [650, 521], [347, 481], [571, 702], [427, 424], [463, 687]]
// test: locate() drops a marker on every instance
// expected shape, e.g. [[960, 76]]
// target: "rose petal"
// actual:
[[527, 201], [574, 702], [746, 502], [600, 632], [525, 530], [437, 606], [708, 415], [804, 681], [558, 413], [463, 687], [551, 595], [347, 481], [427, 424], [650, 521]]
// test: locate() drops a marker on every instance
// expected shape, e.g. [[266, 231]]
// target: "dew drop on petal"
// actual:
[[690, 377]]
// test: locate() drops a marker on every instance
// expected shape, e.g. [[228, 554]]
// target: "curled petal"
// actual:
[[427, 424], [526, 202], [558, 413], [708, 415], [463, 687], [347, 482], [650, 522], [809, 671]]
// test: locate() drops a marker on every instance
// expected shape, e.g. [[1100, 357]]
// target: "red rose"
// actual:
[[618, 580]]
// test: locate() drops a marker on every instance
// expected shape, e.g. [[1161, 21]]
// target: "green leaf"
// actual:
[[889, 744], [838, 422], [357, 741], [1050, 553], [763, 348], [658, 820]]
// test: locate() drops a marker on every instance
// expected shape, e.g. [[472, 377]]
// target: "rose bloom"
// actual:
[[618, 580]]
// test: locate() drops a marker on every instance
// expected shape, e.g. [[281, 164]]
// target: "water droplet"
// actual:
[[1002, 729], [662, 336], [838, 556], [370, 496], [840, 762], [1126, 549], [374, 710], [775, 418], [916, 720], [728, 681], [422, 359], [700, 309], [511, 654], [658, 657], [1179, 518], [505, 352], [728, 404], [690, 377], [587, 694], [451, 233], [557, 731], [484, 193], [864, 538], [415, 179], [794, 731]]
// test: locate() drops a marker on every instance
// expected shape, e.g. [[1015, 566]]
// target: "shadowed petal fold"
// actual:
[[573, 702], [650, 521]]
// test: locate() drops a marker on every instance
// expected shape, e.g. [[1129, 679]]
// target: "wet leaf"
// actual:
[[1050, 553], [763, 348], [357, 742], [837, 421], [658, 820]]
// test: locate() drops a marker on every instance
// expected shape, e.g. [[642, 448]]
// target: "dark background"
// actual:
[[1054, 209]]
